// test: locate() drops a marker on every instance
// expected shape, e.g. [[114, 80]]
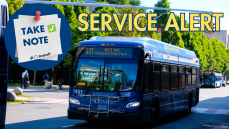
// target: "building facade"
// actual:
[[222, 36]]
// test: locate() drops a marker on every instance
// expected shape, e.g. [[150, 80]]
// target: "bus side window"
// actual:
[[194, 72], [3, 25], [174, 77], [181, 77], [156, 77], [165, 74], [188, 75], [147, 77]]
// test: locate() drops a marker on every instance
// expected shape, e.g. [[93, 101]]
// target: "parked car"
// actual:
[[223, 83]]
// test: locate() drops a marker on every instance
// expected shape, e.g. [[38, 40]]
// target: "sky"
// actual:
[[217, 6]]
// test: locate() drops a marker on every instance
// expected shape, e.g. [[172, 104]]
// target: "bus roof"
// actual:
[[212, 73], [160, 51]]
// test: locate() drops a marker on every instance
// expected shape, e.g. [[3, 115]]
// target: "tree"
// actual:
[[162, 20], [59, 7], [14, 5], [135, 2]]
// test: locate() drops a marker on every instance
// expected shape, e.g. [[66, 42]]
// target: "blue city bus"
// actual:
[[211, 79], [131, 79]]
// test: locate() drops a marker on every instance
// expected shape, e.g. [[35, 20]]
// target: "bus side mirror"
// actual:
[[148, 55], [149, 67]]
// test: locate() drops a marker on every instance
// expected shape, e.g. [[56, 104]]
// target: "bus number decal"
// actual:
[[75, 91]]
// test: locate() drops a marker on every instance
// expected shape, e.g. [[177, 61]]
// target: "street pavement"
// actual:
[[49, 110]]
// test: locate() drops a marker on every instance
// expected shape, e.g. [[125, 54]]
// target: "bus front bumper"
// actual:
[[208, 85], [134, 117]]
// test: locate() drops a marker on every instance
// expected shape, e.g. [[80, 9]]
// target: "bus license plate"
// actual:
[[102, 107]]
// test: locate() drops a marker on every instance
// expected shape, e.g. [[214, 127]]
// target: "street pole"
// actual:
[[34, 78], [109, 5]]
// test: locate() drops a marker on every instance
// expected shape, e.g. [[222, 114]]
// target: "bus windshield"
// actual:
[[208, 78], [107, 74]]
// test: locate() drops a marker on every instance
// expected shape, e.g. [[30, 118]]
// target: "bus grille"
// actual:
[[91, 109]]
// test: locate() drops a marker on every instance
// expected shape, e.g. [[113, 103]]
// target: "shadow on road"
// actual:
[[64, 122]]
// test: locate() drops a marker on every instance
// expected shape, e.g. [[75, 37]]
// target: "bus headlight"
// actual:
[[202, 83], [74, 101], [133, 104], [213, 84]]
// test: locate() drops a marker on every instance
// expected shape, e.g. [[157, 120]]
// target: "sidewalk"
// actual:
[[11, 88], [43, 100], [42, 95], [39, 100]]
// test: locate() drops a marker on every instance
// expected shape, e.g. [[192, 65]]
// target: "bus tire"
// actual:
[[188, 111], [154, 115]]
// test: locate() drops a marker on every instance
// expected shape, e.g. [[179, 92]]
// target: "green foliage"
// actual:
[[135, 2], [25, 96], [164, 13], [17, 101], [14, 5], [59, 7]]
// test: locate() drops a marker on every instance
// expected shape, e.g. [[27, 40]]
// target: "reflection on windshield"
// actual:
[[119, 74], [208, 78]]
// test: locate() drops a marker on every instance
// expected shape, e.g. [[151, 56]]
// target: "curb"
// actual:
[[14, 104]]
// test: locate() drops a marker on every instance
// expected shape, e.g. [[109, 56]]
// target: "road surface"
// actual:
[[211, 112]]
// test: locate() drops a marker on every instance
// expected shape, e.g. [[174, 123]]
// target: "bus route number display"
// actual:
[[108, 52]]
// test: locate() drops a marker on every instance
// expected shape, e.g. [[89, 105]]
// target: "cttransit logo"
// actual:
[[39, 56]]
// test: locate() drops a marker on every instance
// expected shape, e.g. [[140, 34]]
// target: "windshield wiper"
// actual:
[[99, 74]]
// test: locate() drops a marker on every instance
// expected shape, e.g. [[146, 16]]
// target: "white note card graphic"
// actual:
[[55, 57], [37, 39]]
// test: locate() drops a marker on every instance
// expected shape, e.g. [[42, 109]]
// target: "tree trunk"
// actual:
[[34, 78], [55, 72], [52, 75]]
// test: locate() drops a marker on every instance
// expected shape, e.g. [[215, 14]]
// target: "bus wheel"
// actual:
[[154, 116]]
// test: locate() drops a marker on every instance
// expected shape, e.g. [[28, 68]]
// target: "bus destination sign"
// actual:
[[108, 52]]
